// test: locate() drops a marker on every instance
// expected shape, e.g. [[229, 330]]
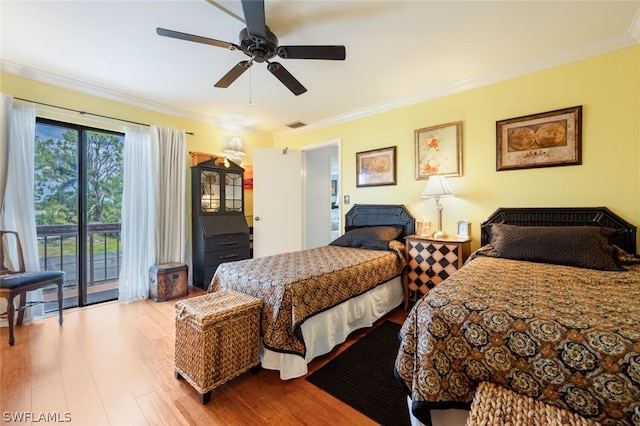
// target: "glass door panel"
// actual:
[[209, 191], [78, 195], [233, 192]]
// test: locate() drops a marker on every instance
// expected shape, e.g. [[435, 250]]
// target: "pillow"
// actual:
[[581, 246], [370, 237]]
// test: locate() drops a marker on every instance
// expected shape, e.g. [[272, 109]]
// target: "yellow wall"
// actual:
[[206, 138], [608, 88]]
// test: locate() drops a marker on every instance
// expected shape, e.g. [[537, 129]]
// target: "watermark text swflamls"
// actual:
[[29, 416]]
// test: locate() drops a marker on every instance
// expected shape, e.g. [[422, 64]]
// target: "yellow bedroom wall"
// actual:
[[608, 88], [206, 137]]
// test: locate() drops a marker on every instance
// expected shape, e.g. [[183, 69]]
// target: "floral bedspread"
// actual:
[[563, 335], [294, 286]]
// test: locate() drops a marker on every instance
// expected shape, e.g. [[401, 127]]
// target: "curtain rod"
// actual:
[[91, 113]]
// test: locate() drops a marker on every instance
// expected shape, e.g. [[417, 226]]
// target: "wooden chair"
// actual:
[[17, 282]]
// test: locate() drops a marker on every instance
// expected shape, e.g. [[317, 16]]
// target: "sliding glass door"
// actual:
[[78, 196]]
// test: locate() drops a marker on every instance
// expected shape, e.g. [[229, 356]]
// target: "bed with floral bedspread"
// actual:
[[563, 334]]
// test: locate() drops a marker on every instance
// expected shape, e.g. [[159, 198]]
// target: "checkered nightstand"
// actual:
[[430, 261]]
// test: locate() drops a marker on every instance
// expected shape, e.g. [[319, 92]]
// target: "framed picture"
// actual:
[[334, 187], [376, 167], [439, 150], [248, 176], [548, 139]]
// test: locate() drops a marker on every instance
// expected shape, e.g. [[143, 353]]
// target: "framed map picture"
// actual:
[[547, 139], [376, 167]]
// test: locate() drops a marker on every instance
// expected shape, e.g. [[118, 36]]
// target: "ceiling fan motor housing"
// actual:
[[260, 49]]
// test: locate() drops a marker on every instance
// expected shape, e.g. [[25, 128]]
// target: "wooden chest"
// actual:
[[168, 281]]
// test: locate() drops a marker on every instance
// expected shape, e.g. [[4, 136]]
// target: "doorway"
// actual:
[[322, 211], [292, 201], [78, 196]]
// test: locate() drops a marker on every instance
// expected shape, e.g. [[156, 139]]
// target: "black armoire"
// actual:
[[220, 230]]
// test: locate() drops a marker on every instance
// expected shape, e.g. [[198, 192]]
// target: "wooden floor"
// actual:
[[112, 364]]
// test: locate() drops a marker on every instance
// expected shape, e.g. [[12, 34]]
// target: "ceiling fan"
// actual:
[[261, 45]]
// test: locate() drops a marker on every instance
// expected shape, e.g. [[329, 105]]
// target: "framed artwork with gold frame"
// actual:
[[439, 150], [376, 167], [547, 139]]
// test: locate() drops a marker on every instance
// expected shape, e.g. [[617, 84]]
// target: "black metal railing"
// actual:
[[58, 250]]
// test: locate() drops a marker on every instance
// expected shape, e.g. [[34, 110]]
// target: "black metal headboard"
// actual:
[[625, 238], [380, 214]]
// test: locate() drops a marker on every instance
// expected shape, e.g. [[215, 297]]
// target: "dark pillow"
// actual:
[[581, 246], [370, 237]]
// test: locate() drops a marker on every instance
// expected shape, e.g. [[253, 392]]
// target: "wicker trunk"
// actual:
[[217, 338], [496, 406]]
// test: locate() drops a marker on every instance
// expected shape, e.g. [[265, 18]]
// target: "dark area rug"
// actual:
[[362, 377]]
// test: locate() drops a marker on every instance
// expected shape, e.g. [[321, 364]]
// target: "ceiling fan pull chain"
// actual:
[[250, 98]]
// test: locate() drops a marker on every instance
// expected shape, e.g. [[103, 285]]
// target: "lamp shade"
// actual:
[[234, 147], [437, 186]]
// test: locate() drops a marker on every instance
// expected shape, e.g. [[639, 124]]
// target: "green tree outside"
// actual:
[[56, 182], [56, 178]]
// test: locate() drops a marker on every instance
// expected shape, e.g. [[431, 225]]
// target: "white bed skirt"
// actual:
[[446, 417], [324, 331]]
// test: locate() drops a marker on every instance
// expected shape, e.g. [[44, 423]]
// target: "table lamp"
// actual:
[[436, 188]]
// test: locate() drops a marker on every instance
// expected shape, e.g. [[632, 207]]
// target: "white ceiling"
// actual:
[[398, 52]]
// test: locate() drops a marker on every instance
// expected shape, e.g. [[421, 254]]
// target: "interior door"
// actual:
[[277, 201]]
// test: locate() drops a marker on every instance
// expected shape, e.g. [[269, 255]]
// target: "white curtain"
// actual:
[[154, 209], [18, 212], [5, 125], [138, 215], [169, 157]]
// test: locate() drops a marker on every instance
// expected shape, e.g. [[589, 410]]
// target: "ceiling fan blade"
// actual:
[[233, 74], [286, 78], [198, 39], [254, 16], [336, 53]]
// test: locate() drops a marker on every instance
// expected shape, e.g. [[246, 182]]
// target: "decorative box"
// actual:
[[168, 281]]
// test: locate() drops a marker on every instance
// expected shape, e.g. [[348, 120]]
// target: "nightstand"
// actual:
[[430, 261]]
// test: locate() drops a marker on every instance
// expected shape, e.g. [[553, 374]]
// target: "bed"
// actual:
[[548, 307], [313, 299]]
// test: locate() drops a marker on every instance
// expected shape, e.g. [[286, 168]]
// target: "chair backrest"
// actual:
[[10, 248]]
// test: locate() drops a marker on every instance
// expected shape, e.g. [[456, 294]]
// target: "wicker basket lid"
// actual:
[[215, 306]]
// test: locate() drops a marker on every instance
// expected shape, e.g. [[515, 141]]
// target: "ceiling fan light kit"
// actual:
[[261, 45]]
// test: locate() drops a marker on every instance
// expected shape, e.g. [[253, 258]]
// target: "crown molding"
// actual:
[[634, 28], [47, 77], [619, 41]]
